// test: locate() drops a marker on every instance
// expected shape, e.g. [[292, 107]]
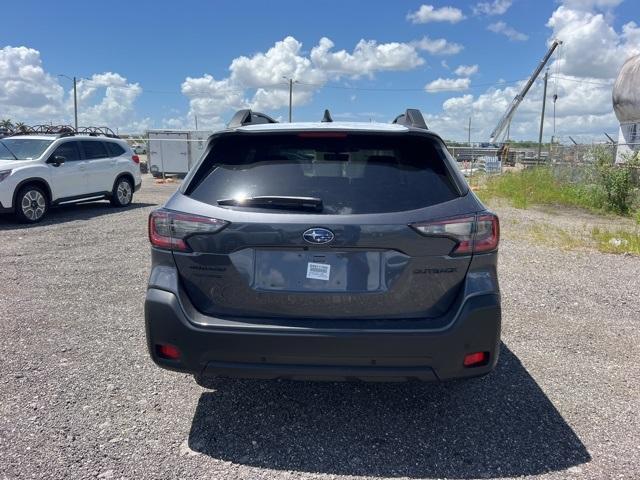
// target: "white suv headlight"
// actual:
[[4, 174]]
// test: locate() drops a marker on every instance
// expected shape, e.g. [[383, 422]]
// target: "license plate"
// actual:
[[318, 271]]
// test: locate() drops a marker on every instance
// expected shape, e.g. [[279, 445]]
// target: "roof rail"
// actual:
[[63, 131], [412, 117], [326, 118], [96, 131], [247, 117]]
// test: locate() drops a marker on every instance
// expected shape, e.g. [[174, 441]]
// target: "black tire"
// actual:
[[32, 204], [122, 193]]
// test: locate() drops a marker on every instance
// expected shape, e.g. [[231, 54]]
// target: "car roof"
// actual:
[[53, 137], [33, 137], [319, 126]]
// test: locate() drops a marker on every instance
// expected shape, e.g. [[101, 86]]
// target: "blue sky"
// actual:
[[157, 45]]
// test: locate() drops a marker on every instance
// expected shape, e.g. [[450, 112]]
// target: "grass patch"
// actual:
[[538, 186], [620, 241]]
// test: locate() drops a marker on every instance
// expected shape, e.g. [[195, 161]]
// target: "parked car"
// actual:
[[324, 251], [38, 171], [140, 150]]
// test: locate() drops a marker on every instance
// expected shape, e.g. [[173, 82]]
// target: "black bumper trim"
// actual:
[[317, 354], [324, 372]]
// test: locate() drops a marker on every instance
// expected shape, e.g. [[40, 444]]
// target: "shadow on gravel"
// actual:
[[496, 426], [71, 213]]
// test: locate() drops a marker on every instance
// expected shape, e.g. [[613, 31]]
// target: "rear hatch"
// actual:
[[323, 225]]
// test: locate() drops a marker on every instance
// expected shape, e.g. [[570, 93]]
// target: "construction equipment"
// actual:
[[513, 106]]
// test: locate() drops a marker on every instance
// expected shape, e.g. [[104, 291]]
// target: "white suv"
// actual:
[[40, 171]]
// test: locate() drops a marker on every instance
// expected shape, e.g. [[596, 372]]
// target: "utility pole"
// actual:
[[196, 117], [75, 103], [469, 133], [290, 97], [291, 82], [75, 98], [544, 103]]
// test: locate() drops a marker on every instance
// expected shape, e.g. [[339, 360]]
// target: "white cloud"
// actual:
[[592, 47], [257, 81], [466, 70], [429, 13], [30, 95], [367, 58], [447, 85], [591, 4], [105, 99], [437, 46], [587, 64], [581, 110], [509, 32], [497, 7], [26, 90]]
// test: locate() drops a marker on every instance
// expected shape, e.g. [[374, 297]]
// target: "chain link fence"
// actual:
[[565, 158]]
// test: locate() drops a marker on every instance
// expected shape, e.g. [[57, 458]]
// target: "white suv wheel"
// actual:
[[31, 204], [122, 193]]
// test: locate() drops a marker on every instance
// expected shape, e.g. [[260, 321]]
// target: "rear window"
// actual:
[[351, 174], [94, 150], [114, 149]]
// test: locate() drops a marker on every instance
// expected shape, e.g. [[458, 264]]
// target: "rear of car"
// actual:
[[324, 251]]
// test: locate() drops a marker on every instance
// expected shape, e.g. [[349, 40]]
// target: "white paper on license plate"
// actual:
[[318, 271]]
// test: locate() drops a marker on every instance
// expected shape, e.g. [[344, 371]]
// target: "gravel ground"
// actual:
[[79, 397]]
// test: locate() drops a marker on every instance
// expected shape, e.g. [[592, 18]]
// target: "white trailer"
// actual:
[[174, 152]]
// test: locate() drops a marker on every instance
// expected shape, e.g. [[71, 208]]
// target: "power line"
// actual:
[[284, 86], [576, 80], [410, 89]]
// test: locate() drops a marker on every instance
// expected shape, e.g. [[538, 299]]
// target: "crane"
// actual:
[[508, 115]]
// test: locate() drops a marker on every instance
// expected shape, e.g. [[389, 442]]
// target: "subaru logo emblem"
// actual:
[[318, 235]]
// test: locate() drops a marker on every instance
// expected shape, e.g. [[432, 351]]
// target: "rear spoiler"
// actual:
[[412, 117], [247, 117]]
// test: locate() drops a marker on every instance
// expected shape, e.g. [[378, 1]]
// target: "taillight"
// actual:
[[135, 158], [472, 234], [487, 233], [169, 230]]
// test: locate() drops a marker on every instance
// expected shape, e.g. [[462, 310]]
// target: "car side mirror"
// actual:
[[57, 160]]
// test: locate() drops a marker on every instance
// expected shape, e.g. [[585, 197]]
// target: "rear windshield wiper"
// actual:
[[283, 203]]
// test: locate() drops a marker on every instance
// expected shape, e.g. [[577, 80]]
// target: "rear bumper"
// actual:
[[367, 353]]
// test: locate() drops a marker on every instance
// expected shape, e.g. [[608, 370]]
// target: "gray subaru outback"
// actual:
[[324, 251]]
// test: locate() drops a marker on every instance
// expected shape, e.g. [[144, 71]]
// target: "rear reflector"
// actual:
[[170, 352], [476, 359], [135, 158], [473, 234], [169, 230]]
